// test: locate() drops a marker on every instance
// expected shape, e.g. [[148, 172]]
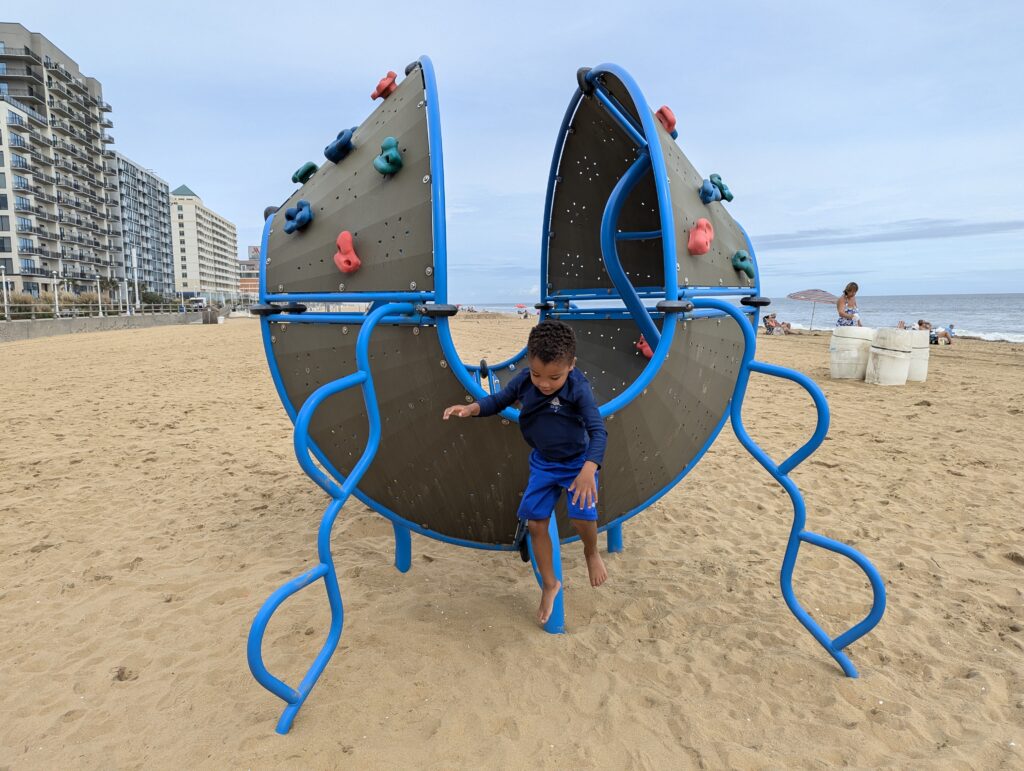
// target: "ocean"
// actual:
[[984, 316]]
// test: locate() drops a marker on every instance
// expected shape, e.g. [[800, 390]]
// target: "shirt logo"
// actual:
[[555, 404]]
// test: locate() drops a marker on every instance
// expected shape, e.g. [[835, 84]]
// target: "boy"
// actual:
[[560, 421]]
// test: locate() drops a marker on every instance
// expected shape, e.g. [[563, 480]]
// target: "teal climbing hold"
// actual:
[[716, 180], [304, 172], [741, 261], [390, 159]]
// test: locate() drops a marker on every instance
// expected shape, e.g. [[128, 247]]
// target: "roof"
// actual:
[[183, 190]]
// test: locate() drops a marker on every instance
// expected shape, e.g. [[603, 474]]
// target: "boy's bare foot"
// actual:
[[595, 566], [547, 601]]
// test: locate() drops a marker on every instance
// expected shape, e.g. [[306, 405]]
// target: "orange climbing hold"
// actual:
[[701, 236], [346, 259], [667, 118], [385, 86], [644, 347]]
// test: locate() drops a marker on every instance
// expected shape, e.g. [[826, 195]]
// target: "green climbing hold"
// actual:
[[305, 171], [390, 159], [716, 180], [741, 261]]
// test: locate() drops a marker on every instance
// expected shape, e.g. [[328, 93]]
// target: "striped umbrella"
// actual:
[[814, 296]]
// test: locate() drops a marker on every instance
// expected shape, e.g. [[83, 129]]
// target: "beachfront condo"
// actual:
[[146, 228], [205, 249], [60, 220]]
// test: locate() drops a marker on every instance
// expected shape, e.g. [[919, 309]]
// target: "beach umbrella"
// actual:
[[814, 296], [520, 305]]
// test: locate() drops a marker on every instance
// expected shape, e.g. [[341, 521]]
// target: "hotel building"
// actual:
[[205, 249]]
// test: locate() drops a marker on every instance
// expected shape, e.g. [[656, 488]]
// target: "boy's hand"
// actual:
[[584, 487], [462, 411]]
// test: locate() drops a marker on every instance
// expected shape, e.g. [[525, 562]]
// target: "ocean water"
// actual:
[[984, 316]]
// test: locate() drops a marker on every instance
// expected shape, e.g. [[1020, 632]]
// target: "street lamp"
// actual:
[[99, 295], [3, 277], [56, 291], [135, 272]]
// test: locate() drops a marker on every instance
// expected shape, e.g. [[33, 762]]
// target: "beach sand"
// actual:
[[151, 502]]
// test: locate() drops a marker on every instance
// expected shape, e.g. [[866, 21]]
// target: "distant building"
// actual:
[[146, 227], [249, 275], [59, 217], [205, 249]]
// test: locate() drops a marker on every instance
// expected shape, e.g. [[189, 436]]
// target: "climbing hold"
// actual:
[[340, 147], [298, 216], [412, 66], [390, 159], [701, 236], [644, 347], [304, 172], [269, 212], [741, 261], [722, 187], [385, 86], [667, 118], [586, 87], [709, 193], [346, 258]]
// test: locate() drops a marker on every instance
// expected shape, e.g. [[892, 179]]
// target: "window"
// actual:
[[32, 288], [28, 265], [5, 245], [5, 224], [3, 200], [23, 223], [26, 243]]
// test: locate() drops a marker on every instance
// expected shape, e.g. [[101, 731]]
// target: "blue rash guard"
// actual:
[[561, 426]]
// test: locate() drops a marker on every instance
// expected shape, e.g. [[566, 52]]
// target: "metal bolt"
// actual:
[[469, 399], [268, 260], [412, 285], [504, 421], [344, 330], [420, 103], [426, 178], [341, 287], [273, 338], [428, 271], [280, 287], [444, 364], [415, 330]]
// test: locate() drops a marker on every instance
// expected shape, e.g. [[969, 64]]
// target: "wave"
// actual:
[[995, 337]]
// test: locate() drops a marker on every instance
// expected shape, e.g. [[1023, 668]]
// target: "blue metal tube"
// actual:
[[565, 295], [403, 548], [556, 621], [668, 332], [609, 221], [620, 117], [436, 151], [344, 297], [615, 539], [797, 532], [638, 235], [355, 319], [716, 291], [502, 364]]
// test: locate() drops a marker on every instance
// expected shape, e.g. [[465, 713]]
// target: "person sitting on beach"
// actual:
[[936, 335], [849, 315], [559, 419], [775, 327]]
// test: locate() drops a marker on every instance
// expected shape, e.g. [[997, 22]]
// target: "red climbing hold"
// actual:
[[701, 236], [644, 348], [667, 118], [385, 86], [346, 258]]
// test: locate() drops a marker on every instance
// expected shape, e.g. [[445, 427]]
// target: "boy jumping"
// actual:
[[560, 421]]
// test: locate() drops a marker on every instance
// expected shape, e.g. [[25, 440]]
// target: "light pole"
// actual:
[[3, 277], [99, 295], [135, 272], [56, 291]]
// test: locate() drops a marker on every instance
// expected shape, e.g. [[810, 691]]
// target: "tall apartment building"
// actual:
[[145, 227], [58, 188], [249, 276], [206, 249]]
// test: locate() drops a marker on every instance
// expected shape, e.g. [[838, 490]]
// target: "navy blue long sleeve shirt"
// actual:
[[560, 426]]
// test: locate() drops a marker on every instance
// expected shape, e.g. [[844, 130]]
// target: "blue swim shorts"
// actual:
[[547, 480]]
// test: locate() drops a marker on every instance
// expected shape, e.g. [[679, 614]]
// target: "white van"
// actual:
[[196, 303]]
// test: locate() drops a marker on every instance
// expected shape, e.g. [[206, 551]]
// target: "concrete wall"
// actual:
[[31, 329]]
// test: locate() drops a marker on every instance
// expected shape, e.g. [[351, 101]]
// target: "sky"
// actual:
[[878, 142]]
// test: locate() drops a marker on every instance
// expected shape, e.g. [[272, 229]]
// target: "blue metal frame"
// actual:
[[400, 308]]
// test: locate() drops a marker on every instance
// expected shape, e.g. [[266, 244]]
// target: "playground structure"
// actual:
[[638, 254]]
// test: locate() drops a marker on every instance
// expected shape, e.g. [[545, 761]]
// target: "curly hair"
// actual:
[[552, 341]]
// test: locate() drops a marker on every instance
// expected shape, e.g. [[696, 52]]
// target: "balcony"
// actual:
[[27, 95], [23, 228], [79, 85], [106, 139], [42, 214], [44, 233], [59, 69], [35, 270], [106, 123], [24, 73], [61, 125], [58, 87], [104, 106], [56, 105], [21, 53], [38, 157], [46, 179], [42, 252], [32, 114]]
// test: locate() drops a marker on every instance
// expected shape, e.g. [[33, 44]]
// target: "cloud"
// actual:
[[901, 230]]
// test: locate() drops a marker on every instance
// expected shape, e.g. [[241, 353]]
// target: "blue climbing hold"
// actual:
[[741, 261], [709, 193], [340, 147], [390, 159], [722, 187], [297, 217]]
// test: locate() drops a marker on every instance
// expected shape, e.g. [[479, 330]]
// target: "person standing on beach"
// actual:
[[559, 419], [849, 315]]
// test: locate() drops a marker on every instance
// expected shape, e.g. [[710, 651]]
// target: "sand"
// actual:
[[151, 501]]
